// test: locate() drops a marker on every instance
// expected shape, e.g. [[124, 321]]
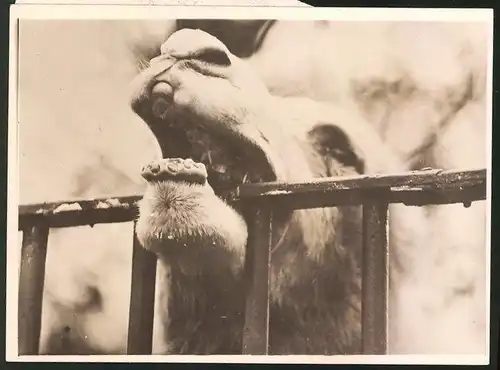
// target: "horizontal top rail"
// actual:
[[411, 188], [80, 212], [422, 178], [415, 188]]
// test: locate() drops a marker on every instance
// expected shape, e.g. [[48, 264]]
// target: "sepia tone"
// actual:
[[318, 98]]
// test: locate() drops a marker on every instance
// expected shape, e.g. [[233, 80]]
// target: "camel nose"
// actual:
[[198, 45]]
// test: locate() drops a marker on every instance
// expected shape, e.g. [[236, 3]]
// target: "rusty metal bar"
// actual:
[[351, 197], [31, 283], [375, 279], [142, 298], [414, 188], [80, 212], [257, 270], [415, 179]]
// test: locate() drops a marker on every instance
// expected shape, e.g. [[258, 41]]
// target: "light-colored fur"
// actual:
[[337, 64]]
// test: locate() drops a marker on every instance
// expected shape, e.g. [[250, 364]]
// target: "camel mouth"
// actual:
[[229, 161], [233, 155]]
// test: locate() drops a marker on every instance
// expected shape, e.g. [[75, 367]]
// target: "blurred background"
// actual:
[[78, 138]]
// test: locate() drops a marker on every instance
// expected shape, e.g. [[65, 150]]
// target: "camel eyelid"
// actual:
[[213, 56]]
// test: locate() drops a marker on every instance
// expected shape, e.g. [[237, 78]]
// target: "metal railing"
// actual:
[[374, 193]]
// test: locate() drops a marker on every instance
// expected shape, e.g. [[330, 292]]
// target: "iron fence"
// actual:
[[373, 192]]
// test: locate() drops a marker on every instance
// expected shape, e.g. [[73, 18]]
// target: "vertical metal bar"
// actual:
[[257, 270], [31, 282], [375, 279], [142, 297]]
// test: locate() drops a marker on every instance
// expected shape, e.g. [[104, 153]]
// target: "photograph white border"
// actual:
[[123, 12]]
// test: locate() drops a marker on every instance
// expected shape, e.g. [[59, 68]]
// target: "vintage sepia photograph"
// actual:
[[217, 184]]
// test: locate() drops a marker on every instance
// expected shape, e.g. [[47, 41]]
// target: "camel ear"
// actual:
[[331, 142]]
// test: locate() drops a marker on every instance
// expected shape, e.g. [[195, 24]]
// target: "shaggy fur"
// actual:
[[200, 240]]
